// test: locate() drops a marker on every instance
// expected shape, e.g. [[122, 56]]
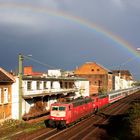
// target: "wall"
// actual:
[[83, 87], [99, 79], [15, 99], [55, 73], [5, 107], [110, 84], [120, 83]]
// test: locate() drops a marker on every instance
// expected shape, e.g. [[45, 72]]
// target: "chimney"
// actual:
[[28, 70]]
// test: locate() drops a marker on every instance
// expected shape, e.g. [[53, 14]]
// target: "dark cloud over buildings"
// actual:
[[63, 43]]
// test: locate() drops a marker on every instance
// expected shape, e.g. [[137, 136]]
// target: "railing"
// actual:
[[48, 91]]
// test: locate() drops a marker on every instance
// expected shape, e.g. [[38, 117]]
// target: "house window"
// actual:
[[45, 85], [29, 85], [51, 84], [5, 95], [98, 69], [38, 85], [61, 84], [92, 69], [0, 95], [66, 85], [70, 85]]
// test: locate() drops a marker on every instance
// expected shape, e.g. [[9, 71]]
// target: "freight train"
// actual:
[[63, 114]]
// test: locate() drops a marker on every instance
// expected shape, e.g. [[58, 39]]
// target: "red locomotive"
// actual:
[[64, 113]]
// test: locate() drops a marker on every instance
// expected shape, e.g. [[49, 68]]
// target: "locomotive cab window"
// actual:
[[62, 108], [54, 108]]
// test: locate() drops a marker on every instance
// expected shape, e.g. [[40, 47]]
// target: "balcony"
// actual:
[[47, 92]]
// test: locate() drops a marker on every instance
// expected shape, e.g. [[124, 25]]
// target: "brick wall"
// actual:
[[99, 79]]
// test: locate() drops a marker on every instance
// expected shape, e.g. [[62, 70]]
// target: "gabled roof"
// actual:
[[5, 76], [88, 64], [123, 72], [104, 67]]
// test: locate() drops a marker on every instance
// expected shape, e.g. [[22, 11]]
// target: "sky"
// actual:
[[65, 34]]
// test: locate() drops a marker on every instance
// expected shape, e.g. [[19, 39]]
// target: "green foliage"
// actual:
[[137, 83], [11, 127], [11, 122], [134, 111], [102, 90], [134, 115]]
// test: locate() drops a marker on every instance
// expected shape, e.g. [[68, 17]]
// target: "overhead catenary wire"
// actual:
[[39, 62], [124, 63]]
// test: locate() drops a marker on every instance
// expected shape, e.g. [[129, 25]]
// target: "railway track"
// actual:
[[47, 134], [87, 128]]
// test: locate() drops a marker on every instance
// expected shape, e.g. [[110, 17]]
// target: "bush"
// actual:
[[12, 123], [134, 115]]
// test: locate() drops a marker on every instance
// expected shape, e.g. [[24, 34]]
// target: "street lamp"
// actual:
[[20, 74]]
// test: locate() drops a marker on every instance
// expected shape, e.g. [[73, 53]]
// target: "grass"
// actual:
[[12, 127]]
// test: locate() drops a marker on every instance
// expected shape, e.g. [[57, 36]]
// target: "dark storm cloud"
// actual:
[[63, 43]]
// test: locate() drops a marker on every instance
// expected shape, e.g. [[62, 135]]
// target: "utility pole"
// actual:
[[20, 60]]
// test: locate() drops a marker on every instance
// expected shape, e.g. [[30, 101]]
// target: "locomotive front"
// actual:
[[58, 115]]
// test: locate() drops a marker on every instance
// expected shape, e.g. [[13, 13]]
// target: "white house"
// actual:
[[122, 79], [40, 91]]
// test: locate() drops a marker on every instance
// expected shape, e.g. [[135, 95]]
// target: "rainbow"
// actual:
[[85, 23]]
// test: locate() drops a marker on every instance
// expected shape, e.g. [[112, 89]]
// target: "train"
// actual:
[[63, 114]]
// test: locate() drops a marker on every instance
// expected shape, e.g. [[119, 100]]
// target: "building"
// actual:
[[6, 81], [100, 78], [122, 79], [40, 90]]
